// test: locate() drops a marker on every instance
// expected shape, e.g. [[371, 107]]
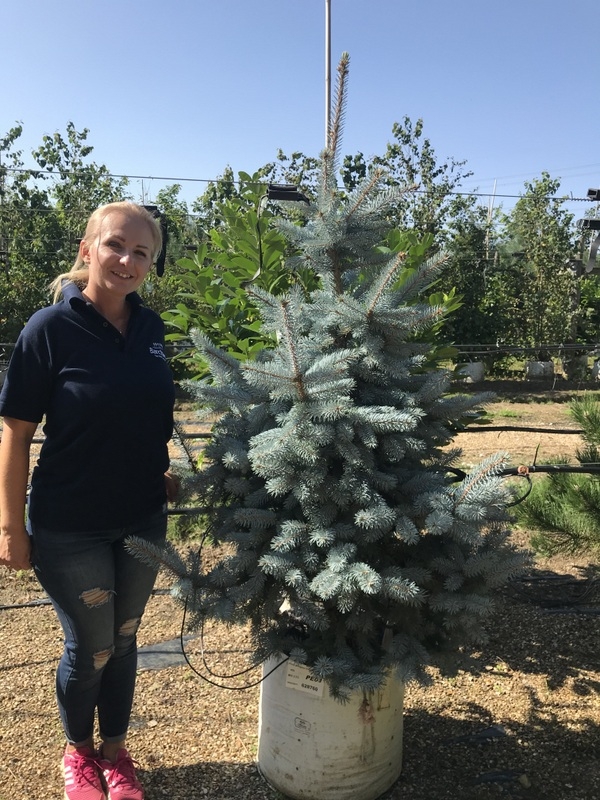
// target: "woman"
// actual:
[[93, 365]]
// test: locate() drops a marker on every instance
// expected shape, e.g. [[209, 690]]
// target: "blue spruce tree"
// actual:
[[351, 547]]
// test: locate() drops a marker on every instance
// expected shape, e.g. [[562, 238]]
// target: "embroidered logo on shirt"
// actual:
[[156, 349]]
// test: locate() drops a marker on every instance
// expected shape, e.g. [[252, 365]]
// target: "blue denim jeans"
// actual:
[[99, 592]]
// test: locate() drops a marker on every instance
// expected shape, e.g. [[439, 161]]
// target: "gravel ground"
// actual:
[[522, 721], [535, 689]]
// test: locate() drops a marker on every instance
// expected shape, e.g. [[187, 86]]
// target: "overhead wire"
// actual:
[[220, 179]]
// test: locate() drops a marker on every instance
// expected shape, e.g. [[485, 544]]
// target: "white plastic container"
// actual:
[[471, 372], [539, 370], [312, 747]]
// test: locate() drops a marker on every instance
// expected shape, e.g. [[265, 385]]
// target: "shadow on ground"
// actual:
[[444, 759], [544, 648]]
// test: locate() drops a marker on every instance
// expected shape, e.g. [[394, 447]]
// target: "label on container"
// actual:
[[301, 679]]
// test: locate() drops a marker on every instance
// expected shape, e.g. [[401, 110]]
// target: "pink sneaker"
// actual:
[[120, 778], [82, 775]]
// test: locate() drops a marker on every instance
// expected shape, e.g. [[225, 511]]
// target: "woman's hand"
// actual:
[[15, 549], [172, 485]]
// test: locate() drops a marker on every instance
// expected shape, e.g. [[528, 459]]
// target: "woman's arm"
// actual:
[[15, 445]]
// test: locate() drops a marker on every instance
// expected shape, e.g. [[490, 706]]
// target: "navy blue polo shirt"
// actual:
[[108, 407]]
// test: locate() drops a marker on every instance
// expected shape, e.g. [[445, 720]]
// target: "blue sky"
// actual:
[[182, 89]]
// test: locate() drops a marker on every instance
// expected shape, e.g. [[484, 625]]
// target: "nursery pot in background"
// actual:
[[539, 370], [575, 367], [313, 747], [471, 372]]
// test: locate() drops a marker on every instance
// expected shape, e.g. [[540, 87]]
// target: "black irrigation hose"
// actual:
[[522, 471], [233, 675], [525, 472], [499, 428], [591, 469]]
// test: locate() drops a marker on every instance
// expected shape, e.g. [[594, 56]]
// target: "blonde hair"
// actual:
[[79, 272]]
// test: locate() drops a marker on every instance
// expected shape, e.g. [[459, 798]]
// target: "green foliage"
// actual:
[[536, 273], [410, 162], [507, 274], [41, 218], [216, 193], [297, 169], [563, 509], [80, 185], [588, 314], [586, 413], [471, 269], [184, 528], [244, 249], [29, 232]]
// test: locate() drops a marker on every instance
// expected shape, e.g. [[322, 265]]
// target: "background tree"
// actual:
[[31, 238], [77, 185], [510, 272], [205, 207], [470, 270], [42, 215], [410, 161], [536, 254], [297, 169], [588, 300]]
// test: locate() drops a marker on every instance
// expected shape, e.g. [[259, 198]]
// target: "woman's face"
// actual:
[[121, 255]]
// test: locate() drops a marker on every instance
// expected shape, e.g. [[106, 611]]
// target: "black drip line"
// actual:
[[197, 672]]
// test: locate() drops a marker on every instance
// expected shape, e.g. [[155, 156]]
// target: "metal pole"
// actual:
[[327, 69]]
